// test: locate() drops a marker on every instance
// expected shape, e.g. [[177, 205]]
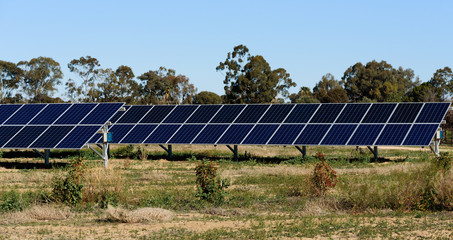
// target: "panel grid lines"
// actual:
[[255, 124], [359, 124], [415, 119], [339, 114], [281, 124], [213, 116], [386, 123], [23, 125], [187, 119], [135, 124], [319, 106], [226, 130], [6, 120], [151, 133]]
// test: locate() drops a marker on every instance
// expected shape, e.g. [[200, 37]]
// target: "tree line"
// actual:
[[248, 79]]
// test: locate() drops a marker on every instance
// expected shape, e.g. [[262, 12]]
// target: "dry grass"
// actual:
[[37, 212], [138, 215], [100, 181]]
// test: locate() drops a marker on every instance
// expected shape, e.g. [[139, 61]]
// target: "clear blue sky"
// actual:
[[308, 39]]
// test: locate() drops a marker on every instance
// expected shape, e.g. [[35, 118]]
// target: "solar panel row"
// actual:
[[52, 126], [280, 124]]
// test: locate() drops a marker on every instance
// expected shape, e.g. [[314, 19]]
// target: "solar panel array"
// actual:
[[52, 126], [367, 124]]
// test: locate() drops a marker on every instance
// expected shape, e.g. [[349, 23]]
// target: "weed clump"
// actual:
[[209, 186], [324, 177], [68, 189]]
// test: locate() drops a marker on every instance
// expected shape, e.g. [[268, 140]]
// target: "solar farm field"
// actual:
[[271, 195]]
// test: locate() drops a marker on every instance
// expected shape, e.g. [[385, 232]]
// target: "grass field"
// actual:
[[270, 196]]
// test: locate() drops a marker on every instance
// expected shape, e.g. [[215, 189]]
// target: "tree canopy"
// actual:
[[250, 79]]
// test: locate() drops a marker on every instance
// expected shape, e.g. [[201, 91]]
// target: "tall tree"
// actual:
[[163, 86], [126, 83], [377, 81], [250, 79], [330, 90], [442, 83], [10, 76], [88, 69], [40, 77], [303, 96]]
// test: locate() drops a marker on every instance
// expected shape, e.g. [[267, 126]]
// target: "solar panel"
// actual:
[[51, 126], [280, 124]]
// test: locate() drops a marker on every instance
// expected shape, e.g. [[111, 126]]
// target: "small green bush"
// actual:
[[11, 201], [209, 186], [124, 152], [324, 177], [68, 189]]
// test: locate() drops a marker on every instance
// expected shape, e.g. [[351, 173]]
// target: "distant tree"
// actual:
[[88, 69], [163, 86], [377, 81], [107, 87], [10, 76], [250, 79], [330, 90], [424, 92], [303, 96], [40, 77], [442, 83], [206, 97], [127, 86]]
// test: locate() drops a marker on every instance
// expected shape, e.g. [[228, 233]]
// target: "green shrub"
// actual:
[[324, 177], [124, 152], [141, 153], [209, 186], [68, 189], [11, 201]]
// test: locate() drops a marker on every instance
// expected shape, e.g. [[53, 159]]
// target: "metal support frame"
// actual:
[[303, 150], [436, 144], [104, 147], [234, 149], [45, 155], [374, 151], [168, 149]]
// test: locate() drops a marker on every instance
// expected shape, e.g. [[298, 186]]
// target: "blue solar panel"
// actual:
[[204, 113], [312, 134], [162, 133], [157, 114], [366, 134], [406, 113], [286, 134], [119, 131], [276, 113], [327, 113], [102, 113], [301, 113], [210, 134], [51, 137], [227, 114], [7, 132], [421, 134], [25, 114], [260, 134], [379, 113], [50, 114], [180, 114], [393, 134], [353, 113], [339, 134], [186, 134], [8, 110], [433, 112], [76, 113], [235, 134], [118, 115], [251, 114], [78, 137], [134, 114], [139, 134], [25, 137]]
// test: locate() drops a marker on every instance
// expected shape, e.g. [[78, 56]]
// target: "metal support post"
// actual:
[[436, 144], [234, 150], [169, 150], [104, 147], [105, 155], [374, 151], [303, 150], [46, 155]]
